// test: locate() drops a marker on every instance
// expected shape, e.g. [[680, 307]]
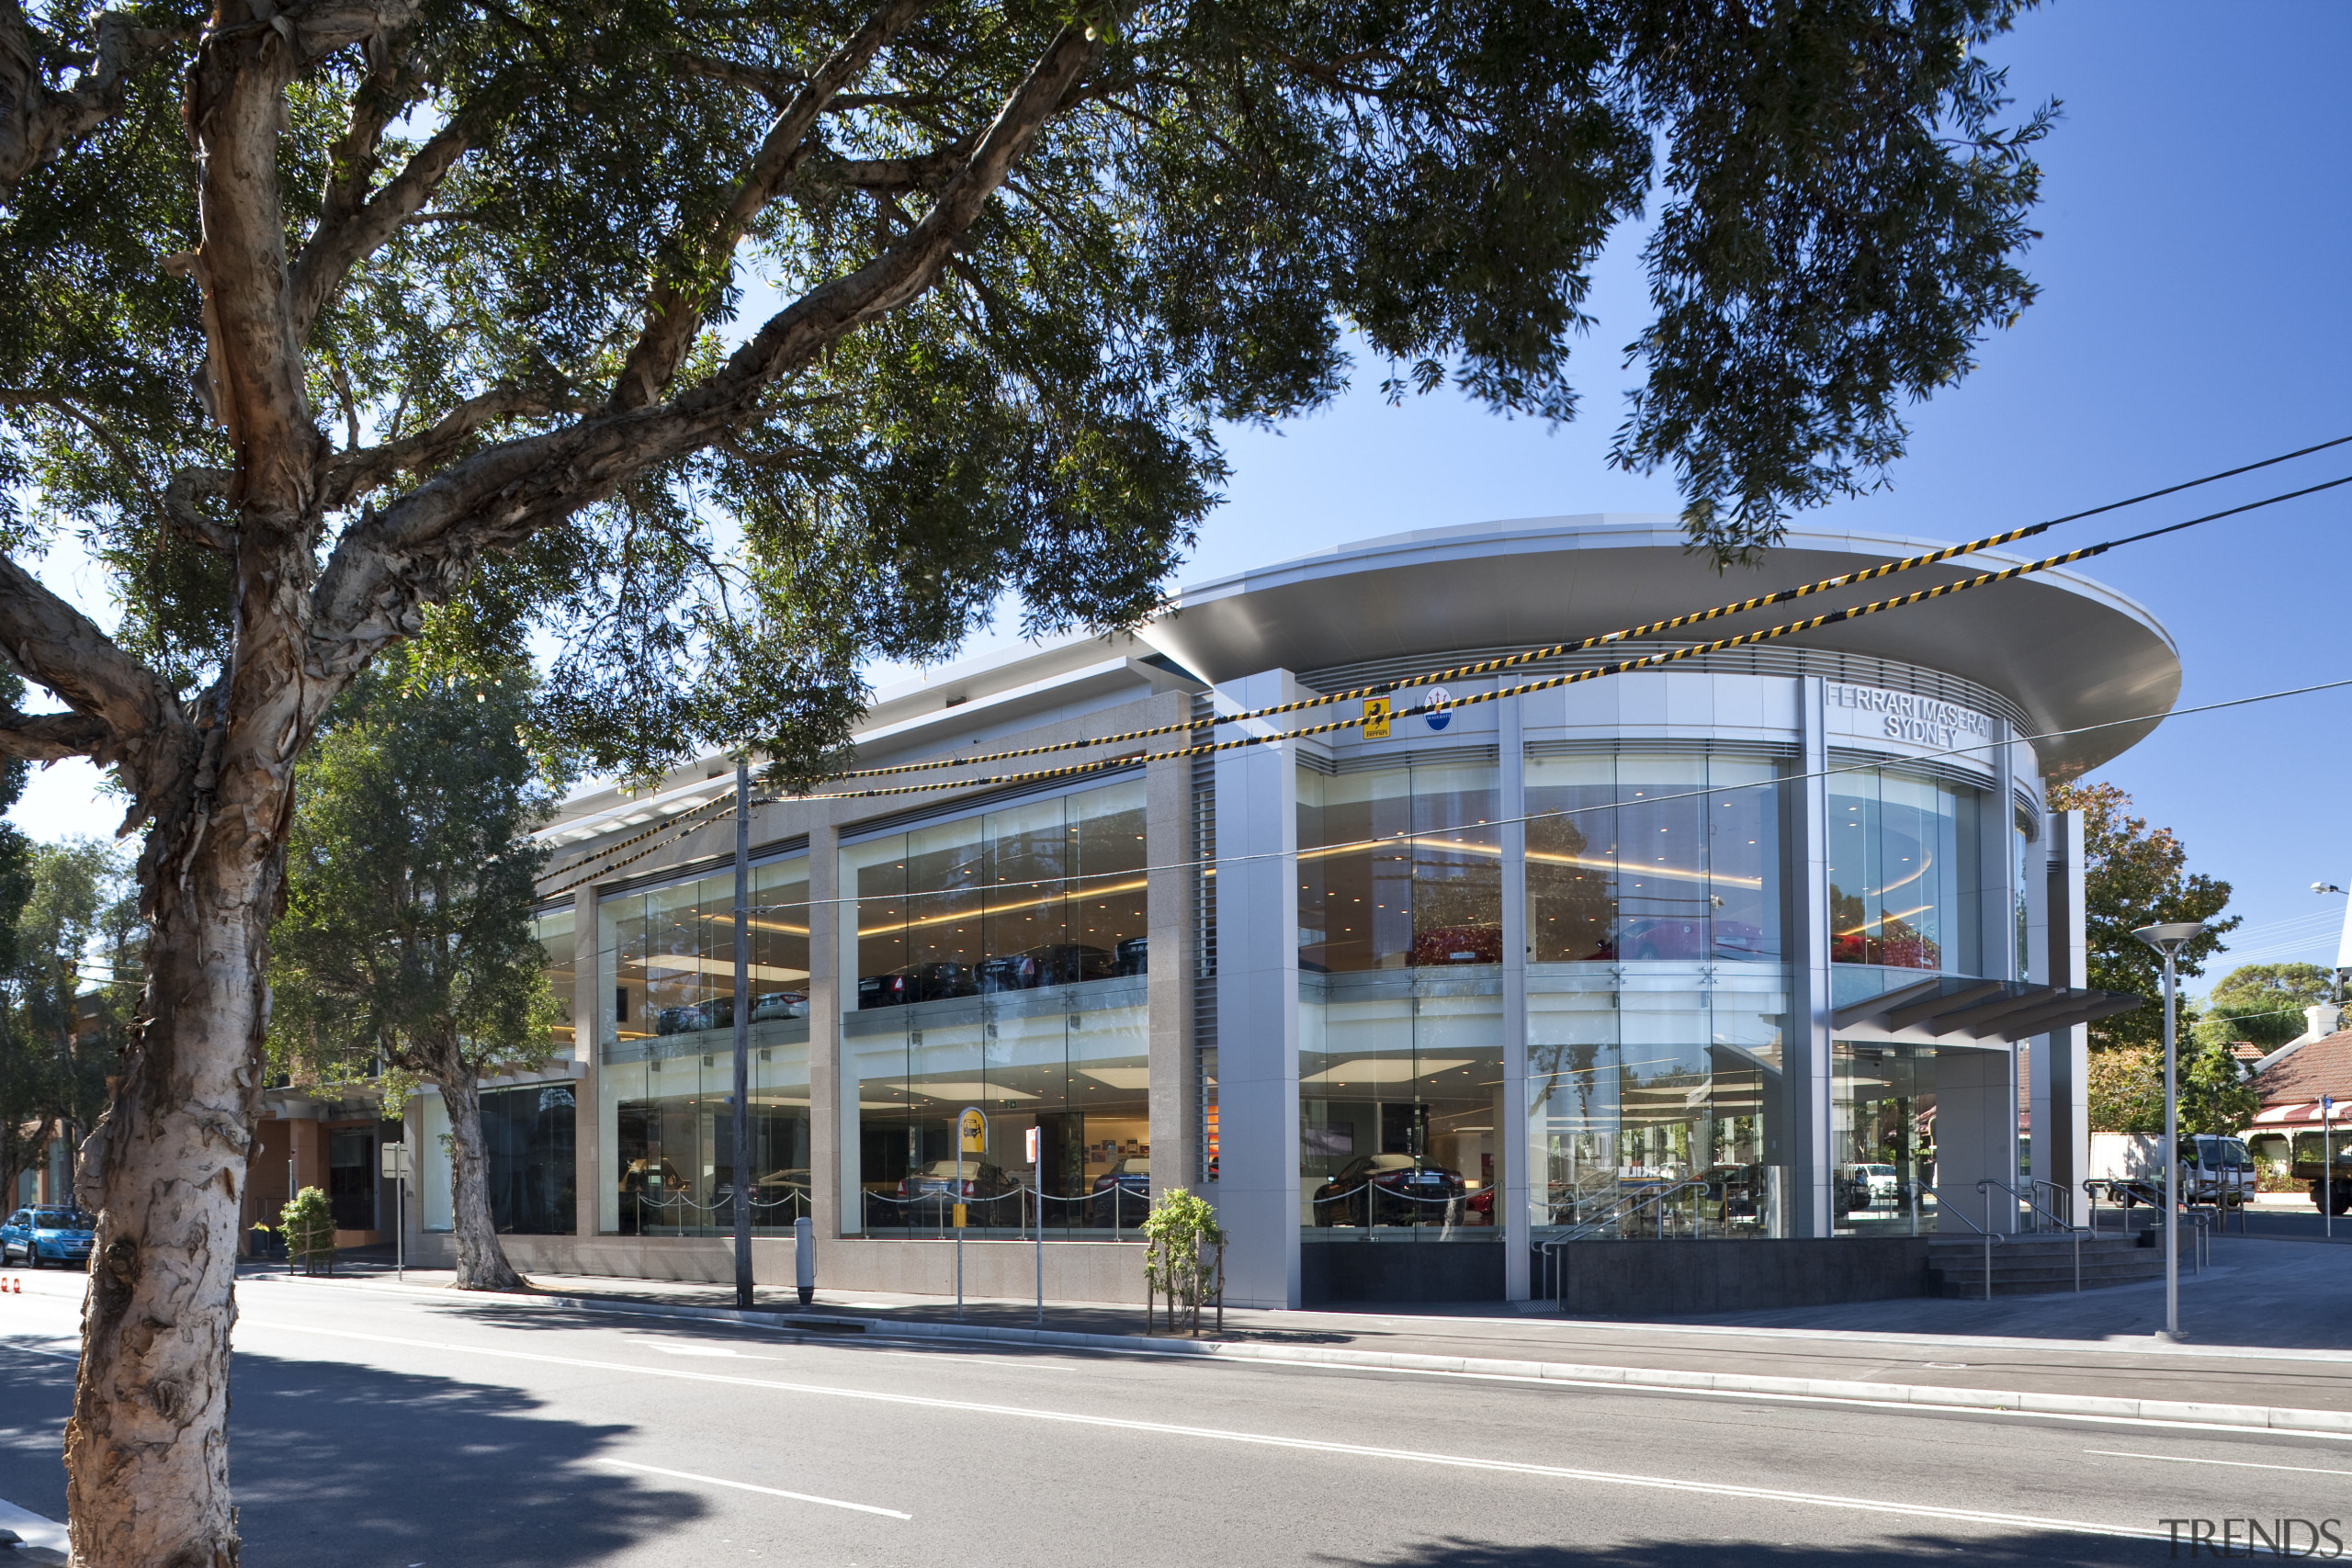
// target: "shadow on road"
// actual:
[[336, 1464], [2039, 1548]]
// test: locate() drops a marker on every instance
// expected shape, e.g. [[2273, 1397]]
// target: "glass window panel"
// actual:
[[1662, 889], [1905, 871], [1457, 865], [1571, 858], [1355, 900], [1031, 856], [554, 932], [1744, 858], [1108, 909]]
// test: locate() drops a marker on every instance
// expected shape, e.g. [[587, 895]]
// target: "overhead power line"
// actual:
[[1649, 661], [677, 827], [1629, 634]]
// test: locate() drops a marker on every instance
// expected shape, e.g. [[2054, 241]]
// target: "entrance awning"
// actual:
[[1983, 1009]]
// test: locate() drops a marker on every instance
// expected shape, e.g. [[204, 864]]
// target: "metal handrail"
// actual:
[[1556, 1272], [2040, 1214], [2060, 1196], [1944, 1206]]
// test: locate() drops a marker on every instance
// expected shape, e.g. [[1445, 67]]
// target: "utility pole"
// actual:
[[743, 1033]]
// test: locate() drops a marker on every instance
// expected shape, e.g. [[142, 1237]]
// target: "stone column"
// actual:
[[1805, 1071], [1168, 841], [2062, 1061], [1976, 1137], [833, 1126], [1257, 922], [588, 982], [1511, 1204]]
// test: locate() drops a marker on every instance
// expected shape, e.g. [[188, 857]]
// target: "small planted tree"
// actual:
[[1178, 1264], [406, 948], [309, 1224]]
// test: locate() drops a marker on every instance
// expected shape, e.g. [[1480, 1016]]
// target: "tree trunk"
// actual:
[[481, 1261], [146, 1452]]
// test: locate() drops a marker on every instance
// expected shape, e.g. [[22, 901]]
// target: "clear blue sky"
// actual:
[[2195, 313]]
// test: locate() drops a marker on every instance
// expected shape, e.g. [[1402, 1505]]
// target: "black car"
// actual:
[[916, 983], [1053, 964], [1135, 956], [1122, 1195], [1403, 1190]]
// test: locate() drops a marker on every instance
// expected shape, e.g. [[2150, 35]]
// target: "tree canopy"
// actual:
[[2264, 1002], [736, 344], [2136, 876], [729, 346]]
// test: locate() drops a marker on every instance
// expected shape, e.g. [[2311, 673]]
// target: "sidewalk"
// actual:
[[2268, 1326]]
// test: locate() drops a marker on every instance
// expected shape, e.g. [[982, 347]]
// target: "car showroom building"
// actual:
[[1778, 945]]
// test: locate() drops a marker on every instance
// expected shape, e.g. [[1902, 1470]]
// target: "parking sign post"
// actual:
[[971, 1138], [2328, 1163], [395, 1167]]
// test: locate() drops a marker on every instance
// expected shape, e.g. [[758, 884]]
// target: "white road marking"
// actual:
[[37, 1350], [976, 1360], [2233, 1464], [1263, 1439], [747, 1487], [669, 1348]]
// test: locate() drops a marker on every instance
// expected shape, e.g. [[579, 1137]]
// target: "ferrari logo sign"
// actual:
[[972, 1131], [1375, 719]]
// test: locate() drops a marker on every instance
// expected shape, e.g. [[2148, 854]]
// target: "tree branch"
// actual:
[[422, 548], [349, 475], [51, 737], [677, 305], [343, 239], [125, 714], [38, 123]]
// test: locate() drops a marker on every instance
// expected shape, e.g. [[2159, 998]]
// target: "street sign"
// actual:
[[1438, 715], [1375, 719], [395, 1158], [972, 1131], [1030, 1152]]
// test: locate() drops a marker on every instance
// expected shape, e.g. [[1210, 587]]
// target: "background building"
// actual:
[[1733, 950]]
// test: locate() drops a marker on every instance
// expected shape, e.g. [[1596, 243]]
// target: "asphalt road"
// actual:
[[372, 1429]]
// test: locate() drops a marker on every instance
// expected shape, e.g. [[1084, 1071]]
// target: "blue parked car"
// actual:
[[36, 1236]]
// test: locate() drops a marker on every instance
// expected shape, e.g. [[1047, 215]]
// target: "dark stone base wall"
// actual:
[[1400, 1271], [1665, 1278]]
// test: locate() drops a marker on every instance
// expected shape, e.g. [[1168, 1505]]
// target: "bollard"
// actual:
[[804, 1258]]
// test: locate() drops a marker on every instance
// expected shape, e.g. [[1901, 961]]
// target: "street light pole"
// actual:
[[2168, 938], [741, 1121]]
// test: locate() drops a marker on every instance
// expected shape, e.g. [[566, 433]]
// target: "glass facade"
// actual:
[[1656, 1002], [1883, 1137], [554, 929], [998, 962], [1651, 857], [1400, 1068], [1002, 965], [530, 1135], [1904, 872], [666, 1063]]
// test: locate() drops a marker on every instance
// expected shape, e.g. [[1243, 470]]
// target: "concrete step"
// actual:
[[2037, 1265]]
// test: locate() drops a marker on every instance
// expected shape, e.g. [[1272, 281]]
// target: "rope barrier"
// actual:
[[1485, 667]]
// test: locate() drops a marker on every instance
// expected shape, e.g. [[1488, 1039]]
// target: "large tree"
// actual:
[[71, 986], [2264, 1002], [28, 1118], [405, 949], [733, 344], [2136, 876]]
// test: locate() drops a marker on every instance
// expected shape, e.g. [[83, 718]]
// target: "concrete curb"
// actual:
[[2256, 1417]]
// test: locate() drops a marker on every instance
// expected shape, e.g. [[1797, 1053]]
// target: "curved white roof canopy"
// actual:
[[2067, 650]]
